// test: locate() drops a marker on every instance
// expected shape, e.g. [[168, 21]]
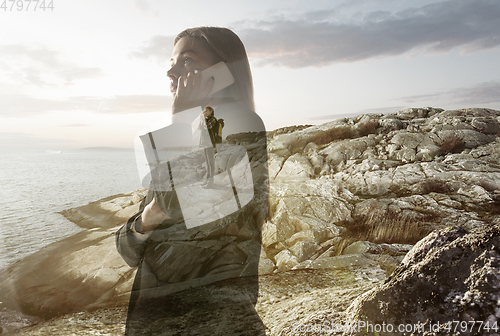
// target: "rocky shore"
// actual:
[[389, 218]]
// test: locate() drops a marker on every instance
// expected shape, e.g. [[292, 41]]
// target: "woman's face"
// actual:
[[189, 54]]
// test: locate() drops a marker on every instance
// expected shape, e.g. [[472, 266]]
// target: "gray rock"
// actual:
[[317, 162], [390, 124], [412, 113], [346, 150], [273, 233], [396, 249], [313, 236], [280, 145], [317, 199], [472, 138], [450, 275], [328, 248], [343, 261], [303, 250], [310, 148], [266, 266], [362, 247], [487, 125], [476, 193], [296, 167], [285, 260], [330, 252], [274, 164]]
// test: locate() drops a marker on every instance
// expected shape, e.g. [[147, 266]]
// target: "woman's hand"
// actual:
[[190, 92], [151, 217]]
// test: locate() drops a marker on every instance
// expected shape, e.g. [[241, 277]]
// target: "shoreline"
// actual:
[[108, 212], [99, 219]]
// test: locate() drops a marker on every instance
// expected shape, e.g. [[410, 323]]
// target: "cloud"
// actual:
[[143, 6], [157, 49], [436, 27], [125, 104], [42, 66], [20, 105], [482, 93]]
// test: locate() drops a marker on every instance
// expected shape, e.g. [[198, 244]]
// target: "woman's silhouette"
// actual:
[[198, 248]]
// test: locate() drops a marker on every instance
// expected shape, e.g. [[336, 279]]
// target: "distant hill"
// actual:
[[106, 149]]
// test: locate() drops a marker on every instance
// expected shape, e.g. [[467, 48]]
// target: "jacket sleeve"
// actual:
[[129, 243]]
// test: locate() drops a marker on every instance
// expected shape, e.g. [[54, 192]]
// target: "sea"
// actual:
[[36, 184]]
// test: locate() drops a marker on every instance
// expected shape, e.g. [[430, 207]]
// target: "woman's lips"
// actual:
[[173, 89]]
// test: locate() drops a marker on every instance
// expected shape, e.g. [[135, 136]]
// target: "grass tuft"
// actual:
[[368, 127], [386, 226], [452, 144], [429, 185], [331, 135]]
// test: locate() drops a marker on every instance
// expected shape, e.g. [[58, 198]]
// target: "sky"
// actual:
[[93, 73]]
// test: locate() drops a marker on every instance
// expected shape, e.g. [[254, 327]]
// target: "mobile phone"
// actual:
[[221, 74]]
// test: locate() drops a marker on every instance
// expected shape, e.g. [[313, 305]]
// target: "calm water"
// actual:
[[36, 184]]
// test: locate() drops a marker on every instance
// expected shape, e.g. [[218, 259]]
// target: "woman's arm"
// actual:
[[129, 243], [131, 238]]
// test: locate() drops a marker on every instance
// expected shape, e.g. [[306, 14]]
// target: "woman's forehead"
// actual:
[[193, 45]]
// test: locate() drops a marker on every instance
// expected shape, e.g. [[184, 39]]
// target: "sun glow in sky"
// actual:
[[92, 73]]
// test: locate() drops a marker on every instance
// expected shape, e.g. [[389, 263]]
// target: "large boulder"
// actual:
[[296, 167], [450, 275], [347, 150]]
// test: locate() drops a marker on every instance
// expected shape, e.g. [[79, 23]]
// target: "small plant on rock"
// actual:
[[368, 127], [333, 134], [452, 144], [436, 185]]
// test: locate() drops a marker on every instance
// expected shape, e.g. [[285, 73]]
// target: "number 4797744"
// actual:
[[26, 5]]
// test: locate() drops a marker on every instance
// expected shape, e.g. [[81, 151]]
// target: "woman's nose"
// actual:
[[172, 73]]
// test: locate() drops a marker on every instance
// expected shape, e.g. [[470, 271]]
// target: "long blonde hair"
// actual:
[[228, 46]]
